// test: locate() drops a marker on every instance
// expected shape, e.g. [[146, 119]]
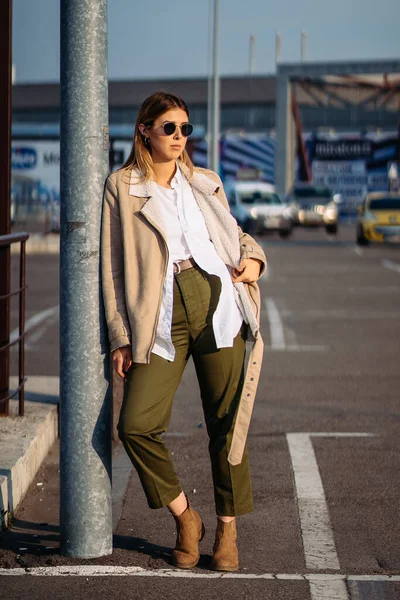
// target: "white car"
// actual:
[[257, 207]]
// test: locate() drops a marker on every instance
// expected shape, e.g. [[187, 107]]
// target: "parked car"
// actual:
[[379, 218], [257, 207], [314, 205]]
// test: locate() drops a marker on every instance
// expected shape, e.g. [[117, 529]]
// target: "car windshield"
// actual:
[[385, 204], [311, 195], [259, 198]]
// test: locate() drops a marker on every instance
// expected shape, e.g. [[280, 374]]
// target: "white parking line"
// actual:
[[117, 571], [280, 330], [318, 543], [39, 331], [275, 325], [37, 319], [389, 264], [334, 589]]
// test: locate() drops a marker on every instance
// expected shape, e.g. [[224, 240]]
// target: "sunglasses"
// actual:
[[170, 128]]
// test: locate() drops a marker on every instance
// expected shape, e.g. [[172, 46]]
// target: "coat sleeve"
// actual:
[[112, 270], [248, 246]]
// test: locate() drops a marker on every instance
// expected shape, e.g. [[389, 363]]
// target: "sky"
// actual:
[[169, 38]]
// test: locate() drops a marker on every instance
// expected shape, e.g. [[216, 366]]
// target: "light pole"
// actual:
[[215, 113], [85, 405]]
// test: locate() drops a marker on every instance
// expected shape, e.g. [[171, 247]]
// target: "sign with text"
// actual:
[[349, 179]]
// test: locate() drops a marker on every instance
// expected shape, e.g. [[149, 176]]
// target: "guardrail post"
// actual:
[[85, 438]]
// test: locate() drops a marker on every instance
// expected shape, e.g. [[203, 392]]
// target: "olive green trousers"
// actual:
[[150, 389]]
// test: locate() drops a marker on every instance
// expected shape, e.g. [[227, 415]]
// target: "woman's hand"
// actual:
[[122, 360], [248, 271]]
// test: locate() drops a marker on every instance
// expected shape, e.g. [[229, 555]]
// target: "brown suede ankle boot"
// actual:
[[190, 531], [226, 555]]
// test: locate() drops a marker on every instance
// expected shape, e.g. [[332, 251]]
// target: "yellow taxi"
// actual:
[[379, 218]]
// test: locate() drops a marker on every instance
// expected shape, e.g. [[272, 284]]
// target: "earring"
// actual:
[[147, 141]]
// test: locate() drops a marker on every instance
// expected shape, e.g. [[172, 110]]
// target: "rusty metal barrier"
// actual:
[[5, 242]]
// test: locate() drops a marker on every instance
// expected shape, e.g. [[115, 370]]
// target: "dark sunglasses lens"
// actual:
[[187, 129], [169, 128]]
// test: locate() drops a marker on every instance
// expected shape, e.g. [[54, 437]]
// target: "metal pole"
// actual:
[[251, 53], [285, 143], [85, 436], [278, 46], [5, 151], [209, 84], [216, 93], [303, 45]]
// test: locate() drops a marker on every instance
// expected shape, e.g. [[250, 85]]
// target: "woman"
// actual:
[[179, 281]]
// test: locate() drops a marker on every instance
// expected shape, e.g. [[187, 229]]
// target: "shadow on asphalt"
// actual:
[[142, 546], [17, 540]]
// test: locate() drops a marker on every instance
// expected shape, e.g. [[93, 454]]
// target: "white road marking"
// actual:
[[318, 543], [117, 571], [36, 319], [34, 337], [275, 325], [358, 251], [334, 589], [289, 332], [389, 264]]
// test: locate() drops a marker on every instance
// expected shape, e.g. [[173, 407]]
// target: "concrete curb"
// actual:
[[25, 442]]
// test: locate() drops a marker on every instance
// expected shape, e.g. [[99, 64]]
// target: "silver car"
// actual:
[[258, 208], [314, 205]]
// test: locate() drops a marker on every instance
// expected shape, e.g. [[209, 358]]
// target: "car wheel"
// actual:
[[331, 228], [249, 226], [285, 233], [361, 239]]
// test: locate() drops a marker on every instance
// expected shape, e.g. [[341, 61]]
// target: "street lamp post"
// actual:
[[85, 406], [215, 113]]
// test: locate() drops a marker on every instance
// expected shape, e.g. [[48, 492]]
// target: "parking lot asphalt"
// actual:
[[323, 443]]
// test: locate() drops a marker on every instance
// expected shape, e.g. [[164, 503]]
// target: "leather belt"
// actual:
[[182, 265]]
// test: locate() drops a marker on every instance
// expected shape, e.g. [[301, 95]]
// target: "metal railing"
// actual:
[[6, 241]]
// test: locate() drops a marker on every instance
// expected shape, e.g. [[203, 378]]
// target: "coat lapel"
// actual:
[[137, 187], [150, 207]]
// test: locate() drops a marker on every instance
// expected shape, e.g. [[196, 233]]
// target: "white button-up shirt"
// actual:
[[187, 235]]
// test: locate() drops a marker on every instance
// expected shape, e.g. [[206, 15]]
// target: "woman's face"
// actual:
[[166, 147]]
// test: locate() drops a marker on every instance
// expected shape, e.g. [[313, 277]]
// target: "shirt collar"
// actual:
[[176, 181]]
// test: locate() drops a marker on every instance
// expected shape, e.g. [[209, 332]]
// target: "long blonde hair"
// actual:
[[140, 155]]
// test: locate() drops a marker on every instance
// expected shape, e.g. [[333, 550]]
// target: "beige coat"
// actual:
[[134, 259]]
